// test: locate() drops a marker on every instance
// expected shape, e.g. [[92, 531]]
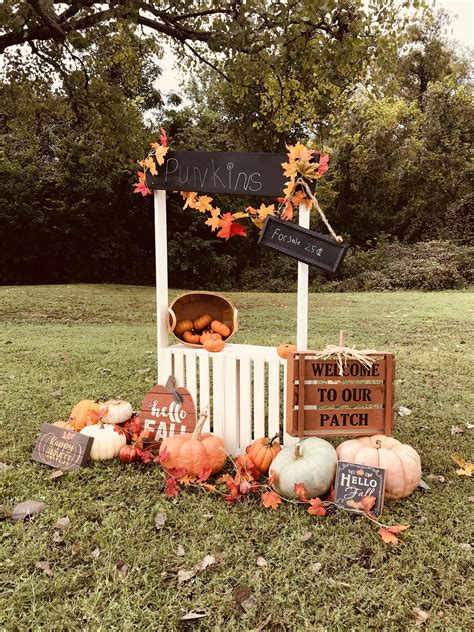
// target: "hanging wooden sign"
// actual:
[[302, 244], [320, 402], [64, 449], [166, 411], [354, 482]]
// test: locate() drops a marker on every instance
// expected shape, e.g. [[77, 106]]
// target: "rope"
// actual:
[[309, 193]]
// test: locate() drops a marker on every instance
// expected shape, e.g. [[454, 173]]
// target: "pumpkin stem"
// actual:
[[270, 441], [378, 444], [200, 424], [298, 454]]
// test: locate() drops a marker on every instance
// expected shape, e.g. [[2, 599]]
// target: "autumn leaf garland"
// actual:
[[299, 169]]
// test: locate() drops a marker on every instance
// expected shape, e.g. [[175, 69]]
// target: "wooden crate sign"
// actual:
[[354, 481], [64, 449], [320, 402], [302, 244], [166, 411]]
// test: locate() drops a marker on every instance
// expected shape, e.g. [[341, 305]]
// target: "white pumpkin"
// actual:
[[311, 462], [107, 443], [115, 411]]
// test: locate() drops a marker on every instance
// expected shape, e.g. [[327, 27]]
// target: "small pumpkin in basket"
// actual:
[[219, 327], [182, 326], [209, 335], [192, 339], [194, 452], [262, 452], [214, 345], [203, 321]]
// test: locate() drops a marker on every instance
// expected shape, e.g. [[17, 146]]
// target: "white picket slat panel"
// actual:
[[245, 403], [179, 369], [273, 397], [259, 398], [166, 365], [231, 418], [218, 394], [191, 377], [204, 388]]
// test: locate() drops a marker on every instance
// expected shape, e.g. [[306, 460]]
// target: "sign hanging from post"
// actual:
[[322, 403]]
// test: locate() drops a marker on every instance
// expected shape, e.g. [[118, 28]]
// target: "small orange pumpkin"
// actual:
[[262, 452], [209, 335], [283, 350], [193, 339], [85, 413], [214, 345], [202, 321], [63, 424], [220, 328], [194, 452], [182, 326]]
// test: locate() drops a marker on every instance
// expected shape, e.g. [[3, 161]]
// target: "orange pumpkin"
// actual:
[[193, 339], [220, 328], [194, 452], [85, 413], [182, 326], [203, 321], [284, 350], [63, 424], [262, 452], [214, 346], [401, 462], [209, 335]]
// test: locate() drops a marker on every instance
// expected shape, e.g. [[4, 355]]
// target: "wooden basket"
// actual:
[[191, 305]]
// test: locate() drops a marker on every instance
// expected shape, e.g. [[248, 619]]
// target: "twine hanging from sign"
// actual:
[[342, 354], [312, 197]]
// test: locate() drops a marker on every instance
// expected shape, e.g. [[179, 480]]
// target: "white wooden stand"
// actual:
[[244, 385]]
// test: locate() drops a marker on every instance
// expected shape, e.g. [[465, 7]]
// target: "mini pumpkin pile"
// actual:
[[203, 330]]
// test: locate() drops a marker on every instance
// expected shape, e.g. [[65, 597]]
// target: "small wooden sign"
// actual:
[[320, 402], [302, 244], [354, 482], [166, 411], [64, 449]]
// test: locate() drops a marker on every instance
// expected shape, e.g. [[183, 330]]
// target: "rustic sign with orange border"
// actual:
[[61, 448], [321, 403]]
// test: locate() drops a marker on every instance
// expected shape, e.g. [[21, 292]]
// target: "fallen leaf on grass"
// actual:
[[403, 411], [122, 567], [470, 426], [208, 516], [316, 567], [261, 561], [471, 499], [75, 550], [27, 509], [3, 467], [424, 486], [420, 616], [271, 500], [56, 474], [96, 552], [44, 566], [456, 430], [263, 625], [184, 576], [244, 598], [306, 536], [466, 469], [63, 524], [437, 477], [388, 533], [316, 507], [465, 546], [142, 371], [57, 537], [160, 520], [103, 369], [365, 504], [57, 393], [191, 616], [180, 550]]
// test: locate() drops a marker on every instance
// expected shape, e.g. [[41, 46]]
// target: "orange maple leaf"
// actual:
[[271, 500], [226, 223], [388, 533], [466, 468], [316, 507], [365, 504], [290, 169], [288, 212], [290, 186], [323, 164], [160, 153], [203, 203], [300, 198], [251, 210], [263, 211], [140, 187], [300, 492], [190, 197], [214, 221], [240, 214], [149, 163], [299, 152], [272, 479]]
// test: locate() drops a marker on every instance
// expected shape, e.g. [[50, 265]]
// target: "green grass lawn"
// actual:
[[91, 341]]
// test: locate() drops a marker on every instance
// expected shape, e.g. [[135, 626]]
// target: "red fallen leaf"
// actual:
[[272, 478], [331, 494], [142, 188], [245, 487], [186, 480], [209, 487], [300, 492], [227, 227], [171, 487], [231, 499], [163, 137], [237, 230], [271, 500], [177, 472], [316, 507], [145, 455], [323, 164], [365, 504], [161, 457], [204, 475], [388, 533]]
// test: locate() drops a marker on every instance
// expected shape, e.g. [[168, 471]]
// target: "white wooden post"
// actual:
[[302, 296], [161, 266]]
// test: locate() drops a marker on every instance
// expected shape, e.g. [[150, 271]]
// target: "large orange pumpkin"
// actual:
[[401, 462], [194, 452], [85, 413], [262, 452]]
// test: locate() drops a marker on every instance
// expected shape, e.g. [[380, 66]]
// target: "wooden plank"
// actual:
[[333, 395], [162, 416], [218, 393], [204, 388], [231, 420], [61, 448], [274, 390], [259, 398], [301, 397], [341, 422], [389, 395], [328, 370], [291, 370], [245, 403]]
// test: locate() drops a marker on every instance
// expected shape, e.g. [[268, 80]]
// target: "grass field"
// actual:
[[91, 341]]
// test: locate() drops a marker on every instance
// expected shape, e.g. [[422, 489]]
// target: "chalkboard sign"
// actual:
[[65, 449], [231, 173], [321, 403], [302, 244], [354, 482]]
